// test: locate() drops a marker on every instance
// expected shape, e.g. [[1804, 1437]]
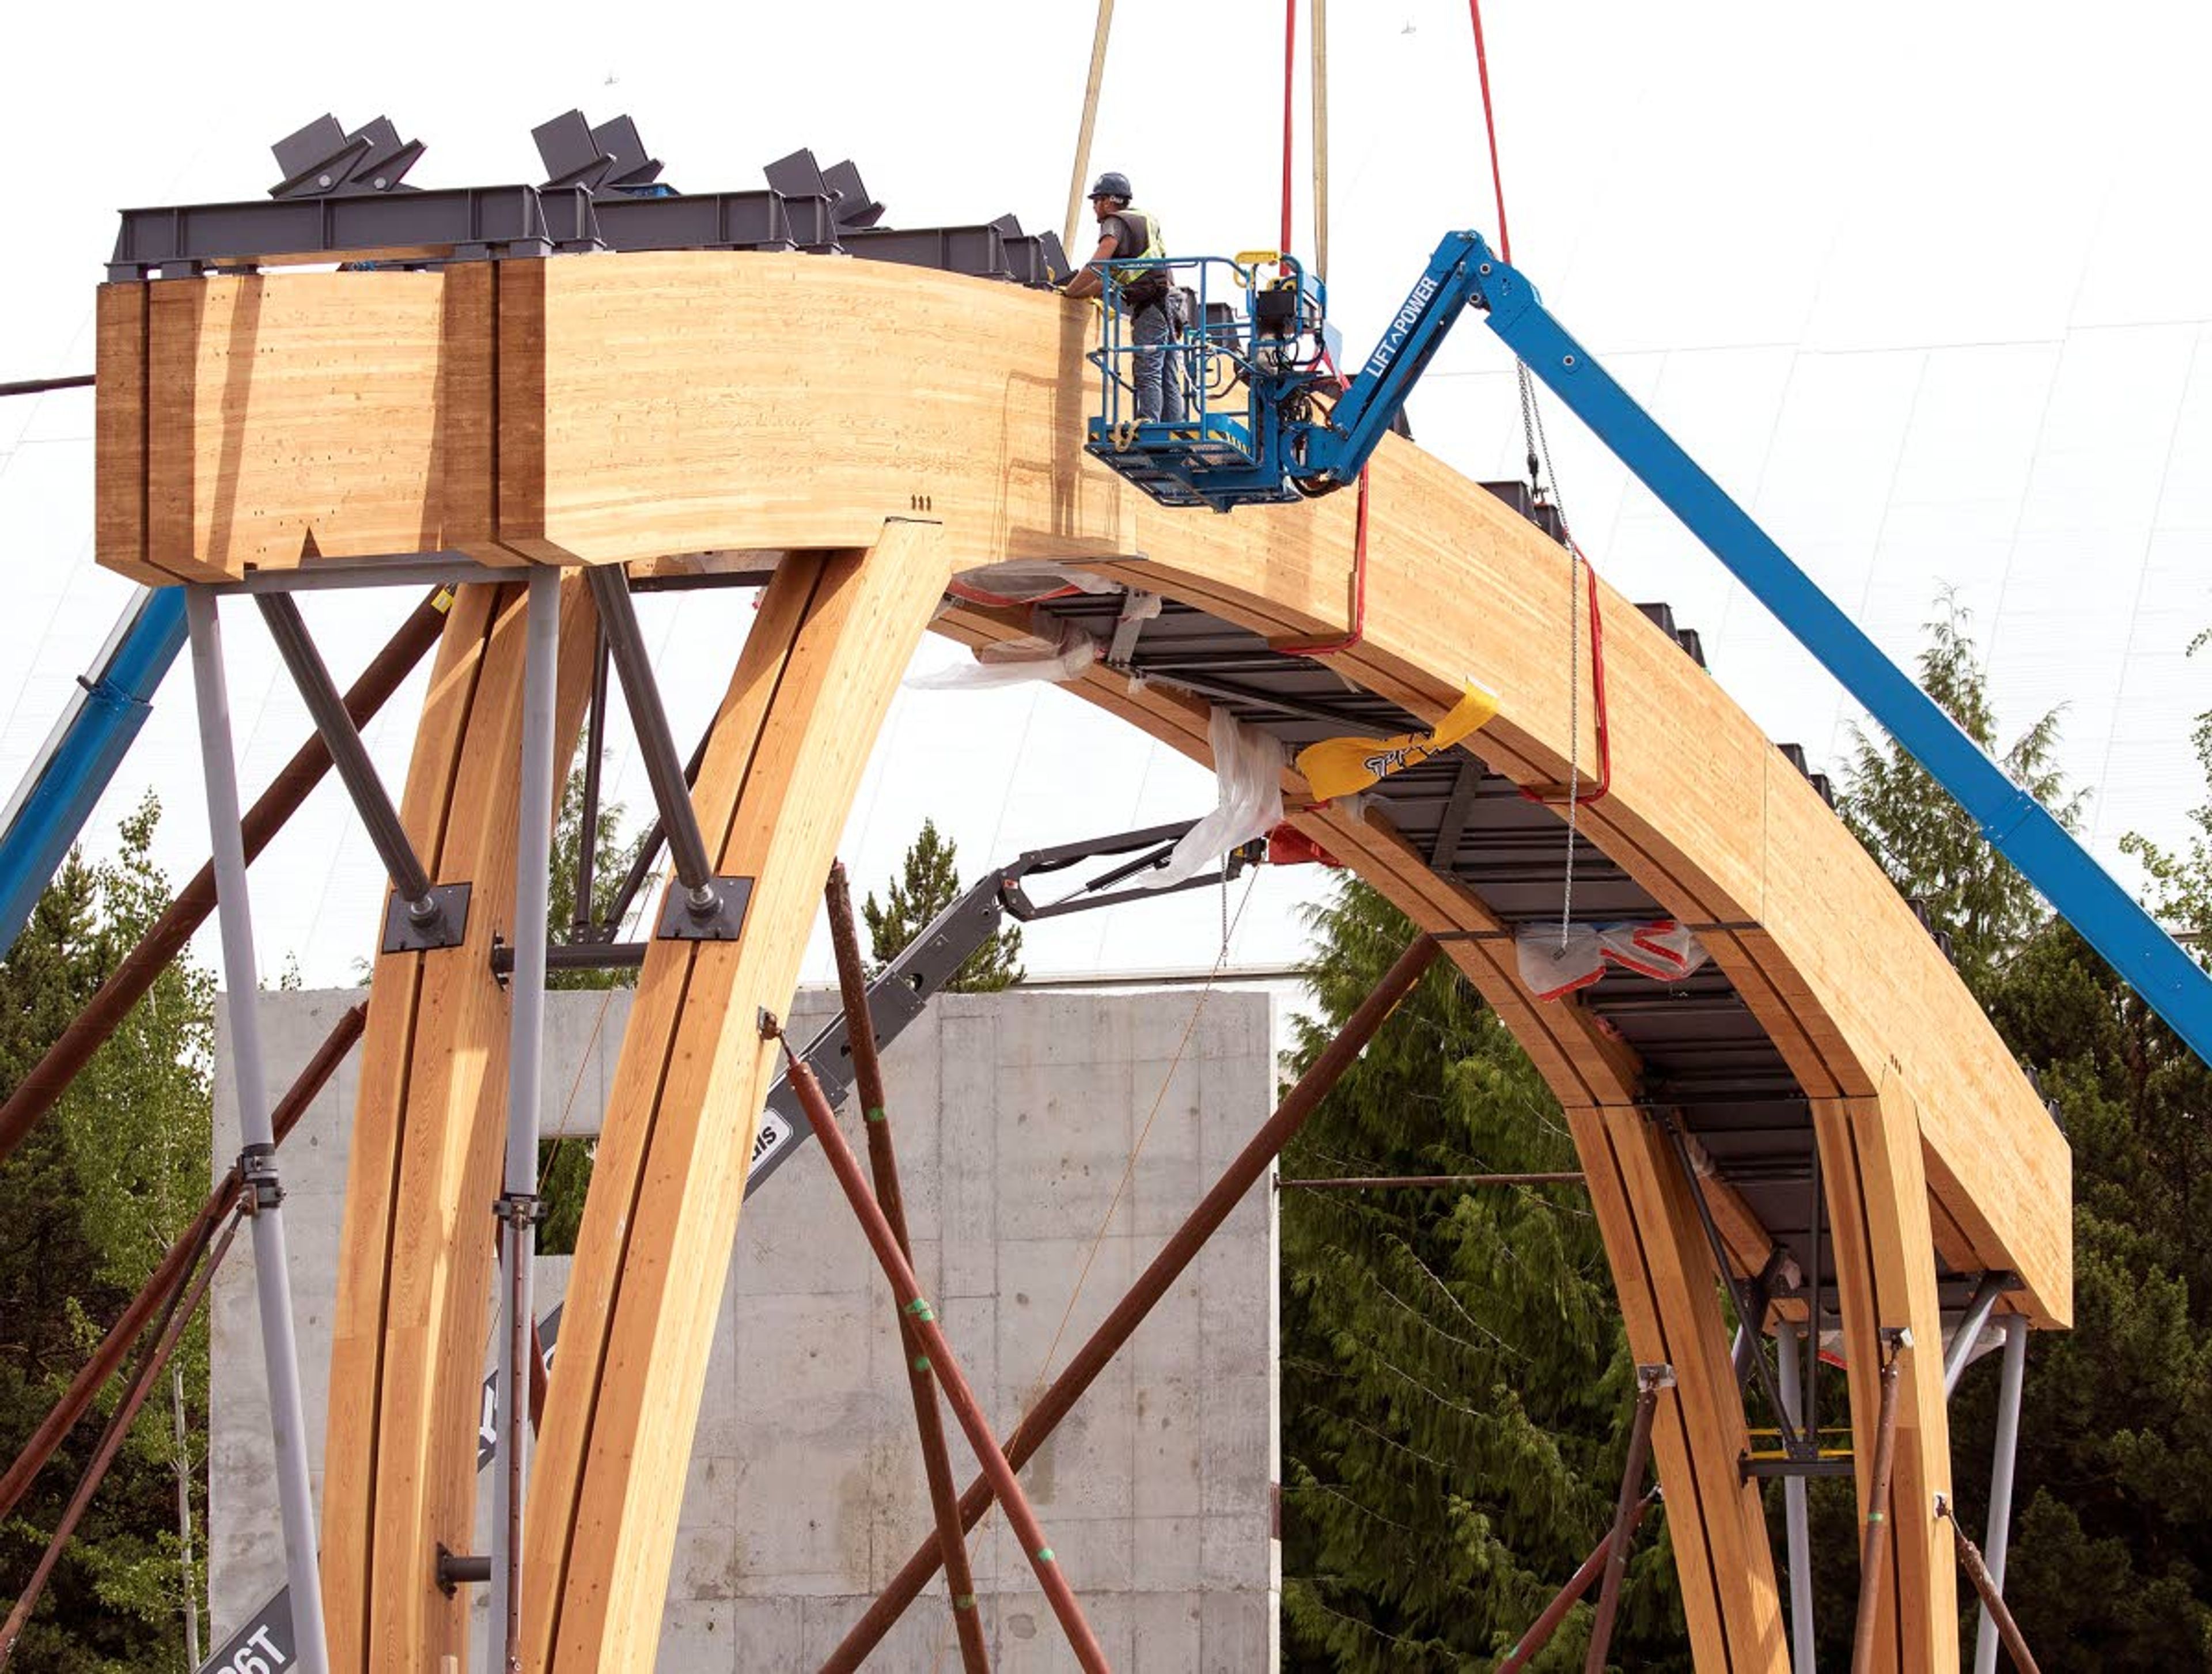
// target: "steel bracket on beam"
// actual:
[[458, 1570], [716, 913], [1826, 1465], [440, 919]]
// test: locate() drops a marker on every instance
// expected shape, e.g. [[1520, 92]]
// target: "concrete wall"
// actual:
[[1016, 1115]]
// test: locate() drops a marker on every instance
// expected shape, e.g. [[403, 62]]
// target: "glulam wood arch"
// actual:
[[883, 428]]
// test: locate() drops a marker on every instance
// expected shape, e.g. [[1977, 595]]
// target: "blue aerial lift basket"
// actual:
[[1247, 351]]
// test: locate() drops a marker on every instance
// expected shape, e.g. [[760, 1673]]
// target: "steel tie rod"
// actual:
[[1083, 1367], [999, 1469], [433, 917], [710, 908]]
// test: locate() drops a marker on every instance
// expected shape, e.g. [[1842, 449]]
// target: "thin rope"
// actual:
[[1574, 734], [1129, 1171], [1490, 128], [1290, 78], [1121, 1187]]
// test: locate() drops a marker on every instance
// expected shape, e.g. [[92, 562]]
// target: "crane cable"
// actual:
[[1580, 571], [1541, 468], [1355, 614], [1089, 120]]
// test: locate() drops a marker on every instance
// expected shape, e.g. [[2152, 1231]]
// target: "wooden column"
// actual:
[[1871, 1168], [1670, 1302], [416, 1257], [830, 641]]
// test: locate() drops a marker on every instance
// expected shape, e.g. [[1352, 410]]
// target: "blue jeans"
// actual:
[[1160, 387]]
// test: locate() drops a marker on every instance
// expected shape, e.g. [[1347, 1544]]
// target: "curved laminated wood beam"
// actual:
[[417, 1254], [1662, 1265], [645, 408], [832, 638]]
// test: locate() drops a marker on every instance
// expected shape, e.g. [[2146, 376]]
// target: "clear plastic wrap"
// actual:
[[1014, 662], [1248, 772]]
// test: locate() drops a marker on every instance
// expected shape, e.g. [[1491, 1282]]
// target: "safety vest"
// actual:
[[1153, 250]]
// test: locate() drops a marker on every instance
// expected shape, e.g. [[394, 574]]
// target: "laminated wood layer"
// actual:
[[430, 1124], [639, 409]]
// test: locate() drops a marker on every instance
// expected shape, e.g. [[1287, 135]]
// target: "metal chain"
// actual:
[[1541, 468], [1528, 422], [1574, 732]]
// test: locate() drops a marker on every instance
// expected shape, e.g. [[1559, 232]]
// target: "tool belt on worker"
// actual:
[[1148, 290]]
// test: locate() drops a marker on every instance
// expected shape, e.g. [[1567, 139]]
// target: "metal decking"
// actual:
[[1704, 1055]]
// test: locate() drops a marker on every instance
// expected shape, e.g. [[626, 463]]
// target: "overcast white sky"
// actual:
[[1925, 286]]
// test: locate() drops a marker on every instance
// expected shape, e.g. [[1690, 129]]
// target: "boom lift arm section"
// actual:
[[1299, 444], [2014, 824], [72, 771], [904, 988]]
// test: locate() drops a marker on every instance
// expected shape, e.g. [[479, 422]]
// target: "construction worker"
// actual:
[[1148, 294]]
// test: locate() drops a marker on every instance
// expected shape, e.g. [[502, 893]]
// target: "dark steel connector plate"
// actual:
[[402, 934], [726, 923]]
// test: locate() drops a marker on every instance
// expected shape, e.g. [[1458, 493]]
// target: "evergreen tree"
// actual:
[[92, 1201], [1929, 845], [928, 883], [1457, 1384], [2109, 1567]]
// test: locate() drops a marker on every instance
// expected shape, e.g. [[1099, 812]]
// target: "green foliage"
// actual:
[[564, 1165], [2182, 884], [1927, 842], [612, 857], [928, 883], [2109, 1568], [1457, 1385], [91, 1201]]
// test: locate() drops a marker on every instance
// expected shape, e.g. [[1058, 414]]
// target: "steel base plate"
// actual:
[[402, 934], [726, 923]]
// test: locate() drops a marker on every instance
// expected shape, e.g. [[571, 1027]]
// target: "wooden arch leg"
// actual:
[[1877, 1202], [1670, 1303], [828, 647], [1662, 1262], [415, 1269]]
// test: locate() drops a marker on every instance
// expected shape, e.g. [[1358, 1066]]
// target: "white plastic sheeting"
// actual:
[[1248, 771], [1014, 662]]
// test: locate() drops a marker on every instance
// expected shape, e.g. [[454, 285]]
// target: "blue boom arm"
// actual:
[[1336, 449], [64, 783], [1295, 449], [2016, 825]]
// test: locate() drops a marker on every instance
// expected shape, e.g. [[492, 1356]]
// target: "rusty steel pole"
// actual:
[[1176, 1254], [163, 1281], [1542, 1629], [882, 1163], [1650, 1380], [1874, 1549], [1977, 1572], [914, 1307], [1424, 1181], [35, 1094]]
